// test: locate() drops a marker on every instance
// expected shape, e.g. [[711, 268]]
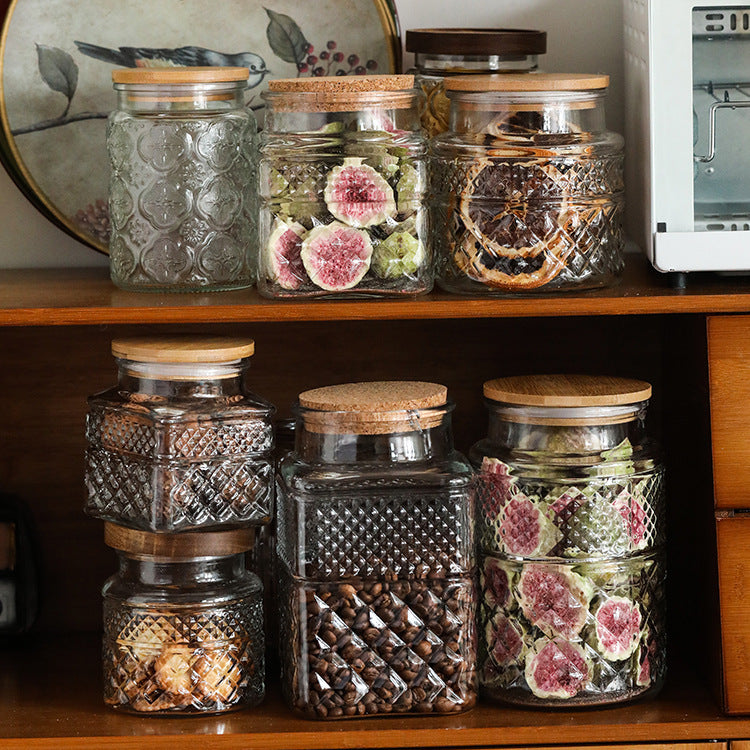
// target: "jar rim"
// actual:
[[473, 41]]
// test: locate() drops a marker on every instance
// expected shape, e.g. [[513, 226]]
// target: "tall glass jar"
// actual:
[[571, 536], [376, 555], [342, 189], [527, 187], [183, 623], [180, 443], [439, 53], [181, 150]]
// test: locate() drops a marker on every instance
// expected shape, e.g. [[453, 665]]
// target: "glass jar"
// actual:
[[376, 555], [572, 542], [446, 52], [180, 443], [527, 187], [183, 623], [181, 150], [342, 189]]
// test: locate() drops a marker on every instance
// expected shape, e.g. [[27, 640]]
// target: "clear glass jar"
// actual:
[[571, 518], [180, 443], [182, 207], [376, 555], [446, 52], [343, 189], [183, 623], [527, 187]]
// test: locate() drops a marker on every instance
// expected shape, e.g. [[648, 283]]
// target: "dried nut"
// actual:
[[172, 669], [218, 675]]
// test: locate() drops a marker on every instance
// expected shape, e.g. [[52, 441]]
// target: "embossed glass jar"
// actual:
[[439, 53], [527, 187], [180, 443], [182, 206], [342, 189], [570, 518], [183, 623], [376, 555]]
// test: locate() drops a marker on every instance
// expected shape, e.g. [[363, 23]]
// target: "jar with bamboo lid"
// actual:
[[342, 189], [182, 199], [180, 442], [375, 542], [528, 186], [439, 53], [183, 623], [571, 530]]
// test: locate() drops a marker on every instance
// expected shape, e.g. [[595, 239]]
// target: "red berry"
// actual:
[[340, 72], [372, 65], [353, 60], [360, 70], [338, 57], [302, 67], [331, 45], [311, 60], [310, 49], [324, 55], [319, 72]]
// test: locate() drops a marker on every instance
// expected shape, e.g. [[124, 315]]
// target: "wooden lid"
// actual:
[[476, 41], [528, 82], [185, 545], [191, 74], [341, 84], [567, 391], [183, 349]]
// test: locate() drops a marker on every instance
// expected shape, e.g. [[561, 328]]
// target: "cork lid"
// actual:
[[183, 349], [176, 75], [185, 545], [476, 41], [342, 84], [535, 82], [567, 391]]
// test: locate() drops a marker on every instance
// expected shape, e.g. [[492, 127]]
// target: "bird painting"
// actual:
[[152, 57]]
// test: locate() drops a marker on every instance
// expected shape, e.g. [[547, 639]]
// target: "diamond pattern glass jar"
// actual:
[[527, 187], [375, 541], [180, 443], [183, 623], [182, 177], [571, 523]]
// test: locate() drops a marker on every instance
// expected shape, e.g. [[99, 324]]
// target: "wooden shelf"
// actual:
[[87, 296], [50, 697]]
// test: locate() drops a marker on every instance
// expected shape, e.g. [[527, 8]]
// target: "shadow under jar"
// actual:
[[527, 187], [376, 558], [183, 623], [342, 189], [180, 443], [570, 519]]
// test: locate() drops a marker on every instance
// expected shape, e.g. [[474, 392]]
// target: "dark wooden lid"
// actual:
[[185, 545], [476, 41]]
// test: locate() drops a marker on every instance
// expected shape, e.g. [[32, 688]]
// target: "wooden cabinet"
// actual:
[[55, 331]]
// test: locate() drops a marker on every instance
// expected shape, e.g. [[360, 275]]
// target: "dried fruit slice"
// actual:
[[283, 260], [618, 627], [633, 516], [336, 256], [399, 254], [557, 669], [496, 583], [504, 640], [525, 530], [596, 528], [407, 189], [554, 599], [357, 195]]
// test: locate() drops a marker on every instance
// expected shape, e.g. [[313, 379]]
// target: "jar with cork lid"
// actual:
[[375, 542], [183, 623], [180, 442], [182, 200], [343, 189], [571, 533]]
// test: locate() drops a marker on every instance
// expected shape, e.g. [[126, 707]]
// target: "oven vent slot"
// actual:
[[721, 22]]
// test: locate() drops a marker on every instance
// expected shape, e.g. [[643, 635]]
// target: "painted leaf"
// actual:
[[286, 38], [58, 69]]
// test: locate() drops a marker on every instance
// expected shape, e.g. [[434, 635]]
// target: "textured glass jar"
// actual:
[[182, 176], [447, 52], [183, 623], [180, 443], [571, 518], [376, 555], [527, 187], [343, 189]]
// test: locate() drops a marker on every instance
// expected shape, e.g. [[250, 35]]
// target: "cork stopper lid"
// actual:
[[183, 349], [342, 84], [183, 546], [177, 75], [503, 42], [534, 82]]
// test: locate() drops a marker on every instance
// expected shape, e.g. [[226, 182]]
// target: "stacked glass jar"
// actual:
[[180, 465], [376, 555], [571, 533], [342, 189]]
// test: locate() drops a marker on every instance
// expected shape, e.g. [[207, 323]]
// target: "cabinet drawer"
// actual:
[[729, 383]]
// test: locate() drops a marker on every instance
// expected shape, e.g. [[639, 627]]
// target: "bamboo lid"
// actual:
[[341, 84], [187, 74], [183, 349], [567, 391], [476, 41], [185, 545], [527, 82]]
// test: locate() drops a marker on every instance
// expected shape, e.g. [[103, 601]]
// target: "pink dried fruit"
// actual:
[[557, 669], [358, 195], [504, 640], [283, 253], [618, 627], [336, 256], [495, 583]]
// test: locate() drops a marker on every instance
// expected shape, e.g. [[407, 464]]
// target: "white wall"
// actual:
[[582, 36]]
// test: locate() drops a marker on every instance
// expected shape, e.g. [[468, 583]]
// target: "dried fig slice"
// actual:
[[336, 256], [283, 260], [358, 195]]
